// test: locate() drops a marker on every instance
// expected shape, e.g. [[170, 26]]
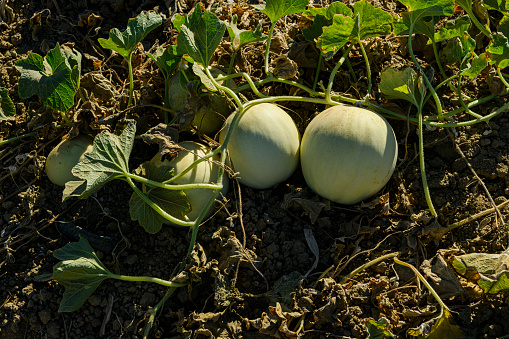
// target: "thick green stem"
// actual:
[[318, 68], [5, 142], [149, 279], [506, 84], [174, 187], [131, 80], [451, 86], [368, 70], [421, 278], [476, 22], [349, 65], [334, 71], [156, 207], [65, 117], [152, 312], [267, 50], [477, 216], [232, 62], [423, 166], [426, 81], [366, 265]]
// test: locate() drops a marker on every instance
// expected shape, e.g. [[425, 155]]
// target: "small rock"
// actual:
[[131, 260], [94, 300], [45, 316], [53, 330]]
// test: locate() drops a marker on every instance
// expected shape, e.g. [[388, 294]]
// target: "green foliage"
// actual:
[[171, 201], [242, 37], [488, 270], [108, 160], [379, 329], [442, 327], [475, 66], [498, 51], [329, 11], [200, 36], [453, 28], [54, 78], [125, 42], [276, 9], [6, 106], [406, 85], [80, 272], [367, 22], [167, 59]]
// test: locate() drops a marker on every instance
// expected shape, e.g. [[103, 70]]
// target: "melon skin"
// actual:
[[264, 146], [204, 172], [348, 154], [65, 156]]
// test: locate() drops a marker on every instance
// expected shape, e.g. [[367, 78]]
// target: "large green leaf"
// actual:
[[503, 25], [336, 36], [276, 9], [475, 66], [54, 78], [488, 270], [200, 37], [457, 48], [6, 106], [406, 85], [442, 327], [379, 329], [423, 8], [329, 11], [498, 5], [80, 271], [498, 51], [453, 28], [172, 202], [125, 42], [242, 37], [108, 160], [425, 25], [373, 21], [166, 59]]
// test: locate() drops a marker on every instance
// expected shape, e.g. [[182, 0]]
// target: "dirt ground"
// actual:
[[259, 275]]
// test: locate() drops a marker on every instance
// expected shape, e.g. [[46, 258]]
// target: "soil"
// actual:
[[271, 261]]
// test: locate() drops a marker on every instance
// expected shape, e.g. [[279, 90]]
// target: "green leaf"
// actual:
[[457, 48], [406, 85], [488, 270], [423, 8], [172, 202], [167, 60], [108, 160], [54, 78], [373, 21], [442, 327], [378, 329], [329, 11], [125, 42], [80, 271], [453, 28], [242, 37], [200, 39], [425, 25], [498, 5], [503, 25], [6, 105], [276, 9], [335, 36], [498, 51], [312, 33], [476, 65]]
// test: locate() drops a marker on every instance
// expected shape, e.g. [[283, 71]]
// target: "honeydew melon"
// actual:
[[348, 154], [264, 146], [204, 172], [65, 156]]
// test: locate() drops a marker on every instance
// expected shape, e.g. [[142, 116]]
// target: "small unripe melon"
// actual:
[[65, 156]]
